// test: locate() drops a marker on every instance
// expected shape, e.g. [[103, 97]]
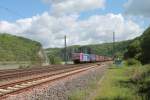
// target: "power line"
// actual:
[[11, 11]]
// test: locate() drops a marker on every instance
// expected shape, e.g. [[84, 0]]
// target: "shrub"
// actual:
[[131, 62], [54, 60], [137, 75], [24, 66]]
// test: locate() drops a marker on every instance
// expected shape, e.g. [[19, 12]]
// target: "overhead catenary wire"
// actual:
[[11, 11]]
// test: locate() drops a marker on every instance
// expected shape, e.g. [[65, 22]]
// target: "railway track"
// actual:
[[10, 74], [29, 69], [20, 86]]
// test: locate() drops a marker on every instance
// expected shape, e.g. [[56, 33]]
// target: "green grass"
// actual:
[[110, 87], [18, 49], [78, 95], [124, 83]]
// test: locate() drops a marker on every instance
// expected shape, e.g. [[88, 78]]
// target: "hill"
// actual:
[[139, 48], [100, 49], [19, 49]]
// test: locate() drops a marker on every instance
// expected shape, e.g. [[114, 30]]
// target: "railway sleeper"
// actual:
[[4, 91], [12, 88]]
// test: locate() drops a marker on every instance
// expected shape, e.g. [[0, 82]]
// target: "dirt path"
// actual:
[[93, 93]]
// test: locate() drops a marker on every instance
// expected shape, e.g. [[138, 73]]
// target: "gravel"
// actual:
[[61, 89]]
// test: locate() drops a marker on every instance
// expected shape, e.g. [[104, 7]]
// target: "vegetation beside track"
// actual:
[[125, 83]]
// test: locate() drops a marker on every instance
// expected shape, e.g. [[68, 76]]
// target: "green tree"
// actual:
[[145, 45], [134, 50]]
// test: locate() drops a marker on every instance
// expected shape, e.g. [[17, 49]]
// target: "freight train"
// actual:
[[87, 58]]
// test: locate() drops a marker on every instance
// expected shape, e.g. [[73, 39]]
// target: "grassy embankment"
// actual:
[[120, 83], [18, 51], [125, 83]]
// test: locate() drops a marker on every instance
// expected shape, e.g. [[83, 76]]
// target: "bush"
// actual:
[[136, 77], [131, 62], [54, 60]]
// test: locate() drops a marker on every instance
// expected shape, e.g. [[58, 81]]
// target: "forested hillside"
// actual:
[[14, 48], [139, 48], [100, 49]]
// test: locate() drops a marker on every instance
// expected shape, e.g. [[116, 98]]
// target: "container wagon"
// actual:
[[86, 58]]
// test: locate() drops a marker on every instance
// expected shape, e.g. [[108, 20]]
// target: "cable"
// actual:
[[11, 11]]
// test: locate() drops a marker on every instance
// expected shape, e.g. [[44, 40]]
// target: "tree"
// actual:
[[145, 45], [134, 50]]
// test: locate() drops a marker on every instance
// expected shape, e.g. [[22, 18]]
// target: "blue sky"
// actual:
[[83, 21], [112, 6], [27, 8], [11, 10], [23, 8]]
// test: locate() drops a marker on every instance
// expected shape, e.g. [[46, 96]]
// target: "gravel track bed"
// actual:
[[61, 89], [17, 78], [2, 82]]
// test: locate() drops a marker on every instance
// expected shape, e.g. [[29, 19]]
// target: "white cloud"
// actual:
[[50, 30], [62, 7], [138, 7]]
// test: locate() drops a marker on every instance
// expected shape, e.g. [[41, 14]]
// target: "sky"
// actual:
[[82, 21]]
